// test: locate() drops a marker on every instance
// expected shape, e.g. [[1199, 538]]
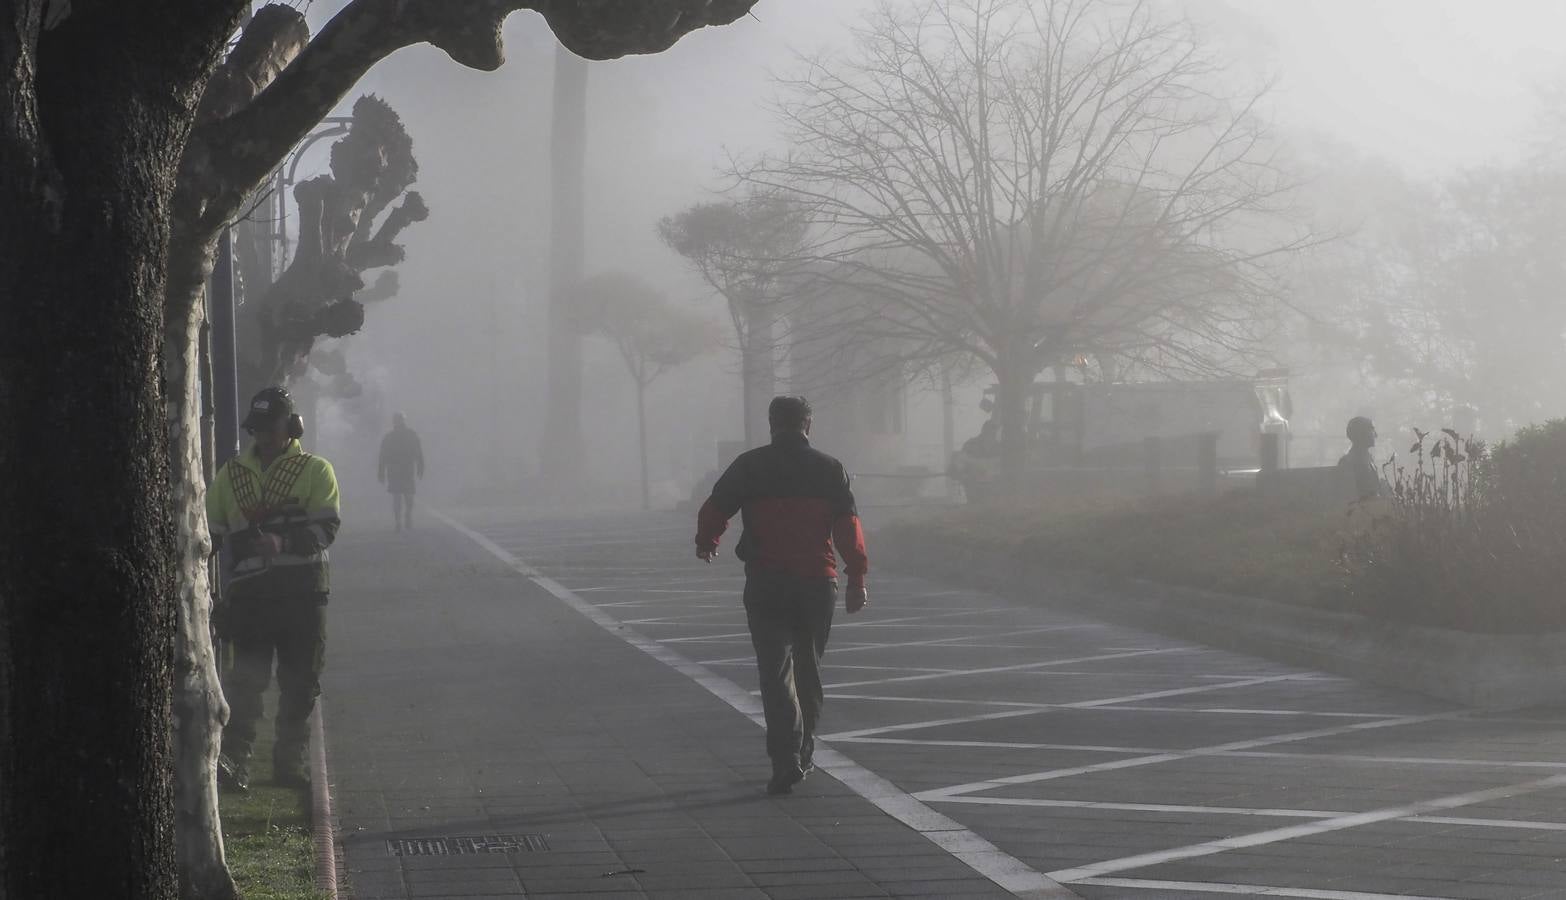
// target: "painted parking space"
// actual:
[[1118, 762]]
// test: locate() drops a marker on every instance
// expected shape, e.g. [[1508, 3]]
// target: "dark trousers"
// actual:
[[789, 618], [293, 628]]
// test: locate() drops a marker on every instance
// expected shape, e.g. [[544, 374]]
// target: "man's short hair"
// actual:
[[1359, 429], [788, 413]]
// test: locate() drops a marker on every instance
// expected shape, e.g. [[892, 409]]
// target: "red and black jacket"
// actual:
[[795, 505]]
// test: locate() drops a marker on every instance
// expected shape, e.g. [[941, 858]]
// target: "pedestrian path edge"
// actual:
[[951, 837], [322, 830]]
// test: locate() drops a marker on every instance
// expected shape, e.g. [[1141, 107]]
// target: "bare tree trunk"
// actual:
[[199, 708], [86, 582], [948, 431], [641, 433], [760, 372], [1013, 382], [563, 442]]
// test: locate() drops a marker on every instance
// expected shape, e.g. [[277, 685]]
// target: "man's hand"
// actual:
[[267, 545], [855, 598], [706, 556]]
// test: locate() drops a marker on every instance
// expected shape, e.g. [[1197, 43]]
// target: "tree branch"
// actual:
[[248, 144]]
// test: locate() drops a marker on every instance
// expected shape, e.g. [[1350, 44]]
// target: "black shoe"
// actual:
[[233, 776], [783, 780]]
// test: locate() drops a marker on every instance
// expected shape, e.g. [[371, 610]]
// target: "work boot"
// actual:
[[784, 778], [288, 766], [233, 774]]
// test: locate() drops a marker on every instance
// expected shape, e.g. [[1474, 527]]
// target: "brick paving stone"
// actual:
[[462, 700]]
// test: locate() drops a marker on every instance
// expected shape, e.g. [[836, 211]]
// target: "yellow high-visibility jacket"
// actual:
[[295, 497]]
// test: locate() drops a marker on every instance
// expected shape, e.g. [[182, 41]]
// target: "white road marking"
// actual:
[[1019, 667], [839, 650], [1034, 709], [1524, 824], [1274, 835], [1249, 890], [1155, 759], [974, 851]]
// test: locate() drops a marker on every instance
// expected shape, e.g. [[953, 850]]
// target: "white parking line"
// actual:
[[1523, 824], [1249, 890], [1019, 667], [1275, 835], [983, 857], [1033, 709], [838, 650], [1157, 758], [999, 745]]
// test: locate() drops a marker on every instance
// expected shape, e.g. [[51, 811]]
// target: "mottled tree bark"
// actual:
[[87, 583], [113, 197]]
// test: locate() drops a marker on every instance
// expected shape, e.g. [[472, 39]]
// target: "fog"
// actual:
[[1416, 91]]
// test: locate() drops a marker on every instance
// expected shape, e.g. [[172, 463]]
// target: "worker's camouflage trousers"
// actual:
[[293, 629]]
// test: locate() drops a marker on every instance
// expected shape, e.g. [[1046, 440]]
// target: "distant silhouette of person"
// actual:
[[1357, 468], [985, 444], [402, 462], [974, 465]]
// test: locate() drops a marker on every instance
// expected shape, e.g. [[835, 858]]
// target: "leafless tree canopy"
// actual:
[[1030, 183]]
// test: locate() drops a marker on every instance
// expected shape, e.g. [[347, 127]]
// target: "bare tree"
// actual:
[[744, 250], [651, 335], [1446, 294], [1029, 182], [116, 177]]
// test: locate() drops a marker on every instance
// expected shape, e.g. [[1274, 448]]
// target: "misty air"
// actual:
[[793, 449]]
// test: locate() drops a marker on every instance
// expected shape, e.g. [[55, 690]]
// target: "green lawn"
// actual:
[[266, 833]]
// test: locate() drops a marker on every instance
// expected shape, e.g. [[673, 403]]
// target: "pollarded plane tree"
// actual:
[[746, 251], [118, 169], [1030, 183], [651, 335], [342, 235]]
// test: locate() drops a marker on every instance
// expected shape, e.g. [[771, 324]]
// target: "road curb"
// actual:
[[322, 829]]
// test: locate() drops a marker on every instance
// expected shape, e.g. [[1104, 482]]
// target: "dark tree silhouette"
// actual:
[[743, 250], [116, 177], [651, 335]]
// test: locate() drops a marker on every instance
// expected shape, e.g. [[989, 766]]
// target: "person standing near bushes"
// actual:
[[1357, 468]]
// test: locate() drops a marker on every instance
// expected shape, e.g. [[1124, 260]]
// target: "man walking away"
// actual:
[[402, 458], [795, 505], [275, 507]]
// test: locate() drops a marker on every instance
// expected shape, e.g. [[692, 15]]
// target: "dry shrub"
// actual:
[[1475, 539]]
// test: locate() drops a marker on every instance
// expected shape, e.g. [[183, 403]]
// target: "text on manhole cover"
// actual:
[[467, 845]]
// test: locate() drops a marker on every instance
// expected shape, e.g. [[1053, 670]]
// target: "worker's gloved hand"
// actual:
[[266, 545], [855, 598], [706, 555]]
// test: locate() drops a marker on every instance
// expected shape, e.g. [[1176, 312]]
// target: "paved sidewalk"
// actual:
[[1124, 764], [487, 740]]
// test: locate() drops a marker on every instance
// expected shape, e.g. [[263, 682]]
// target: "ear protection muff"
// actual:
[[295, 426]]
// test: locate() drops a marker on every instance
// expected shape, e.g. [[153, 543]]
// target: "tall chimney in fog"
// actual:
[[563, 445]]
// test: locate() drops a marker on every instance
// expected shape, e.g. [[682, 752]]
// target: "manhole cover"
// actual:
[[467, 845]]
